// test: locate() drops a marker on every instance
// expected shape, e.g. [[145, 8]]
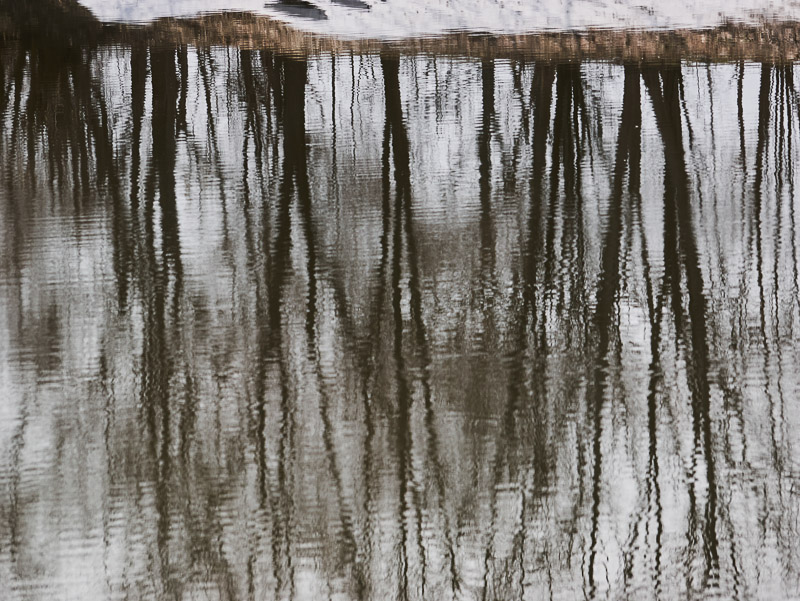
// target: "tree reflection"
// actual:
[[297, 364]]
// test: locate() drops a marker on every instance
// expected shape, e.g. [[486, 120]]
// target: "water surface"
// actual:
[[396, 327]]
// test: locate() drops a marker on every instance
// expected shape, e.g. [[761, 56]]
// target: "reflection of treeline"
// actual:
[[552, 344]]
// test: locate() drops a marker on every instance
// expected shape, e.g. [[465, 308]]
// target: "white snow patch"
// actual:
[[403, 18]]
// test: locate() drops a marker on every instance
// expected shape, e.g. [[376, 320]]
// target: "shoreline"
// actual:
[[769, 42], [65, 23]]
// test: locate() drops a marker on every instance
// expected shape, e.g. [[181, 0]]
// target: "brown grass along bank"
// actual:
[[65, 22]]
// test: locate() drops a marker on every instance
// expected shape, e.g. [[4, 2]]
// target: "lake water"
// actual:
[[396, 327]]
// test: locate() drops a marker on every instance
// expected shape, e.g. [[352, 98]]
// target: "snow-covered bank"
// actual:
[[404, 18]]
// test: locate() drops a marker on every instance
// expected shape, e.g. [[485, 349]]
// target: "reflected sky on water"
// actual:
[[396, 327]]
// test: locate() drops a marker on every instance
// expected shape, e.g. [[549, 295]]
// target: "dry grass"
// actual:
[[768, 42]]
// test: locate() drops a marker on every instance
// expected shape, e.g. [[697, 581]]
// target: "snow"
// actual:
[[403, 18]]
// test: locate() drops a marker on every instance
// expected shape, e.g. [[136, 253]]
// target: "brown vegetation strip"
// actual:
[[63, 21], [771, 42]]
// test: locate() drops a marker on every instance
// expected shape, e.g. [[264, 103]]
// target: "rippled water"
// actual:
[[381, 327]]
